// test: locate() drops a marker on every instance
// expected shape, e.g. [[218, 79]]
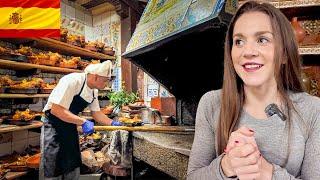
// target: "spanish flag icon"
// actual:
[[29, 18]]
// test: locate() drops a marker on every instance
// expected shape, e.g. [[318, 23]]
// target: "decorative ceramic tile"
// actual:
[[70, 12], [199, 10], [74, 26], [88, 20], [231, 6], [160, 18]]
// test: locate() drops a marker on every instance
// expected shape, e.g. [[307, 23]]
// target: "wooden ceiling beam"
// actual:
[[134, 5], [93, 3]]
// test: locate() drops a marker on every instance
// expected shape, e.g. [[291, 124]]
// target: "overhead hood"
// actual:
[[179, 43]]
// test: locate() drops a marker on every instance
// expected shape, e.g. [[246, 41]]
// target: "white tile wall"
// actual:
[[63, 8], [114, 16], [80, 15], [88, 20], [70, 12], [97, 20]]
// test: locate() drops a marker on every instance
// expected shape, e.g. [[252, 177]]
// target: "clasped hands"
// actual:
[[243, 158]]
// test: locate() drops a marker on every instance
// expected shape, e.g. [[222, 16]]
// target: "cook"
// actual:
[[61, 157]]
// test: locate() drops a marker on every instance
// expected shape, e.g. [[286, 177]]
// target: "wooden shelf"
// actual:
[[3, 96], [295, 3], [15, 175], [147, 128], [27, 66], [61, 47], [281, 4], [10, 128], [309, 50]]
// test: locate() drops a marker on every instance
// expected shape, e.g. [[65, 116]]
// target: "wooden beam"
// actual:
[[134, 5], [93, 3]]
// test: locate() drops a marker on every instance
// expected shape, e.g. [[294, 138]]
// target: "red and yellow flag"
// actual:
[[29, 18]]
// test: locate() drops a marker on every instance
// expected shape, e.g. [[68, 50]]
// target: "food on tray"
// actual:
[[107, 110], [4, 50], [94, 136], [138, 103], [126, 120], [6, 81], [83, 64], [25, 50], [26, 84], [95, 61], [48, 85], [99, 45], [33, 161], [82, 41], [71, 63], [55, 57], [23, 115], [3, 171], [15, 163], [91, 46], [74, 40], [49, 59], [63, 34], [108, 50]]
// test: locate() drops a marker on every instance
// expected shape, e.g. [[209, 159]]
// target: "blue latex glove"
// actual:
[[116, 123], [87, 127]]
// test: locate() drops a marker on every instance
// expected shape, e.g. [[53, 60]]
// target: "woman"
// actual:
[[235, 137]]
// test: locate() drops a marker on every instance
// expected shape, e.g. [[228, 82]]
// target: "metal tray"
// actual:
[[14, 57], [133, 124], [45, 91], [22, 91], [17, 122]]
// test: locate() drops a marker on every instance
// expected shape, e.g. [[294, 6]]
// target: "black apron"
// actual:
[[61, 140]]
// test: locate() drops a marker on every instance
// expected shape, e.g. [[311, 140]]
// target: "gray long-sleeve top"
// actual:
[[271, 136]]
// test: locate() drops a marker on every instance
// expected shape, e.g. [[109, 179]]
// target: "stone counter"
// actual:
[[167, 152]]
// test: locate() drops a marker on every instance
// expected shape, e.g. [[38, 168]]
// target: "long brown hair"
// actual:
[[287, 70]]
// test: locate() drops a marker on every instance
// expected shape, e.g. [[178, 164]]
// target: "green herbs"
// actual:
[[122, 98]]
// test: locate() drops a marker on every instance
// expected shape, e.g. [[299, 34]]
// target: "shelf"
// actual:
[[297, 8], [15, 175], [3, 96], [309, 50], [291, 4], [295, 3], [61, 47], [10, 128], [147, 128], [26, 66]]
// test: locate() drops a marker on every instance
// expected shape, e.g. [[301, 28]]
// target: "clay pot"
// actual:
[[299, 32], [306, 82]]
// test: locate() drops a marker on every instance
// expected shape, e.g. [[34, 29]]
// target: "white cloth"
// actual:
[[69, 86], [101, 69]]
